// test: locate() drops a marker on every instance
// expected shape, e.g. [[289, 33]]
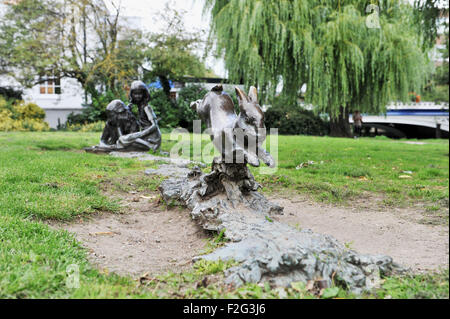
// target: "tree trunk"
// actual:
[[340, 126], [165, 85]]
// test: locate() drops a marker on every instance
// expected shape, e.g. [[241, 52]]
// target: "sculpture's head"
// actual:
[[114, 110], [251, 117], [139, 93]]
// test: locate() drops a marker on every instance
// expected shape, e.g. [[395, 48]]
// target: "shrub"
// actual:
[[165, 109], [437, 94], [28, 111], [176, 113], [187, 95], [10, 93], [294, 120], [88, 127], [96, 111], [21, 116]]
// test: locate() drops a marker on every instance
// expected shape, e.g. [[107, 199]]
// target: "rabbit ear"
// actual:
[[253, 94], [241, 98], [241, 94]]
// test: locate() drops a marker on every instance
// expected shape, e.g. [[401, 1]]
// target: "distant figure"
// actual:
[[357, 124]]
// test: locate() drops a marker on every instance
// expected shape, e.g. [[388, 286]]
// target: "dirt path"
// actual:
[[147, 238], [397, 232]]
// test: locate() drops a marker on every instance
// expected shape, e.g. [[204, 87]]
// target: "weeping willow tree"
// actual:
[[350, 59]]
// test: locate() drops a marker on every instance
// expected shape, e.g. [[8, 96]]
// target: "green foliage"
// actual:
[[433, 285], [88, 127], [7, 103], [292, 119], [29, 111], [10, 93], [437, 94], [426, 15], [21, 116], [171, 52], [206, 267], [187, 95], [326, 45], [330, 292], [441, 74], [96, 111], [437, 90], [89, 114]]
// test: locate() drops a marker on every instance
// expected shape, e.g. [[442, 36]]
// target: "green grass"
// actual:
[[348, 169], [45, 176]]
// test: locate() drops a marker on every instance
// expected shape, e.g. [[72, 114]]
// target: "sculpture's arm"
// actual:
[[130, 138], [150, 116], [106, 134]]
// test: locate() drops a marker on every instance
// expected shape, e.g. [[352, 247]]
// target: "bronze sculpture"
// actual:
[[123, 132], [227, 201], [237, 137]]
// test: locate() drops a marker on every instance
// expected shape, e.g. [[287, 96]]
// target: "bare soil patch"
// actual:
[[148, 237], [397, 232], [145, 238]]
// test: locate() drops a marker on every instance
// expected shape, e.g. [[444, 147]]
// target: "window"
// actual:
[[51, 85]]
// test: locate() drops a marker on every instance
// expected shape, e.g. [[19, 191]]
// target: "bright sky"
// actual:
[[148, 8], [193, 19]]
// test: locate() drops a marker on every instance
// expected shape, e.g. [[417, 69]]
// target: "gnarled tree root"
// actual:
[[227, 200]]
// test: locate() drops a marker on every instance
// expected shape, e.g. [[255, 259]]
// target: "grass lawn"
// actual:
[[398, 173], [45, 176]]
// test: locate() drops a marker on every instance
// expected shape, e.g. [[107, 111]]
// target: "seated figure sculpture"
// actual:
[[123, 132]]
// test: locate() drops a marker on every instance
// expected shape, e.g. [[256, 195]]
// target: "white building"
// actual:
[[58, 98]]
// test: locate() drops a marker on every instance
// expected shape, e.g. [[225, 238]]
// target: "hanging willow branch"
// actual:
[[325, 44]]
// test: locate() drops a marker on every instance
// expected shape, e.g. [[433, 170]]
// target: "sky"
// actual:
[[193, 19], [148, 8]]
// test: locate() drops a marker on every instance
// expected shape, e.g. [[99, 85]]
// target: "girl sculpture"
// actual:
[[149, 134], [123, 132]]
